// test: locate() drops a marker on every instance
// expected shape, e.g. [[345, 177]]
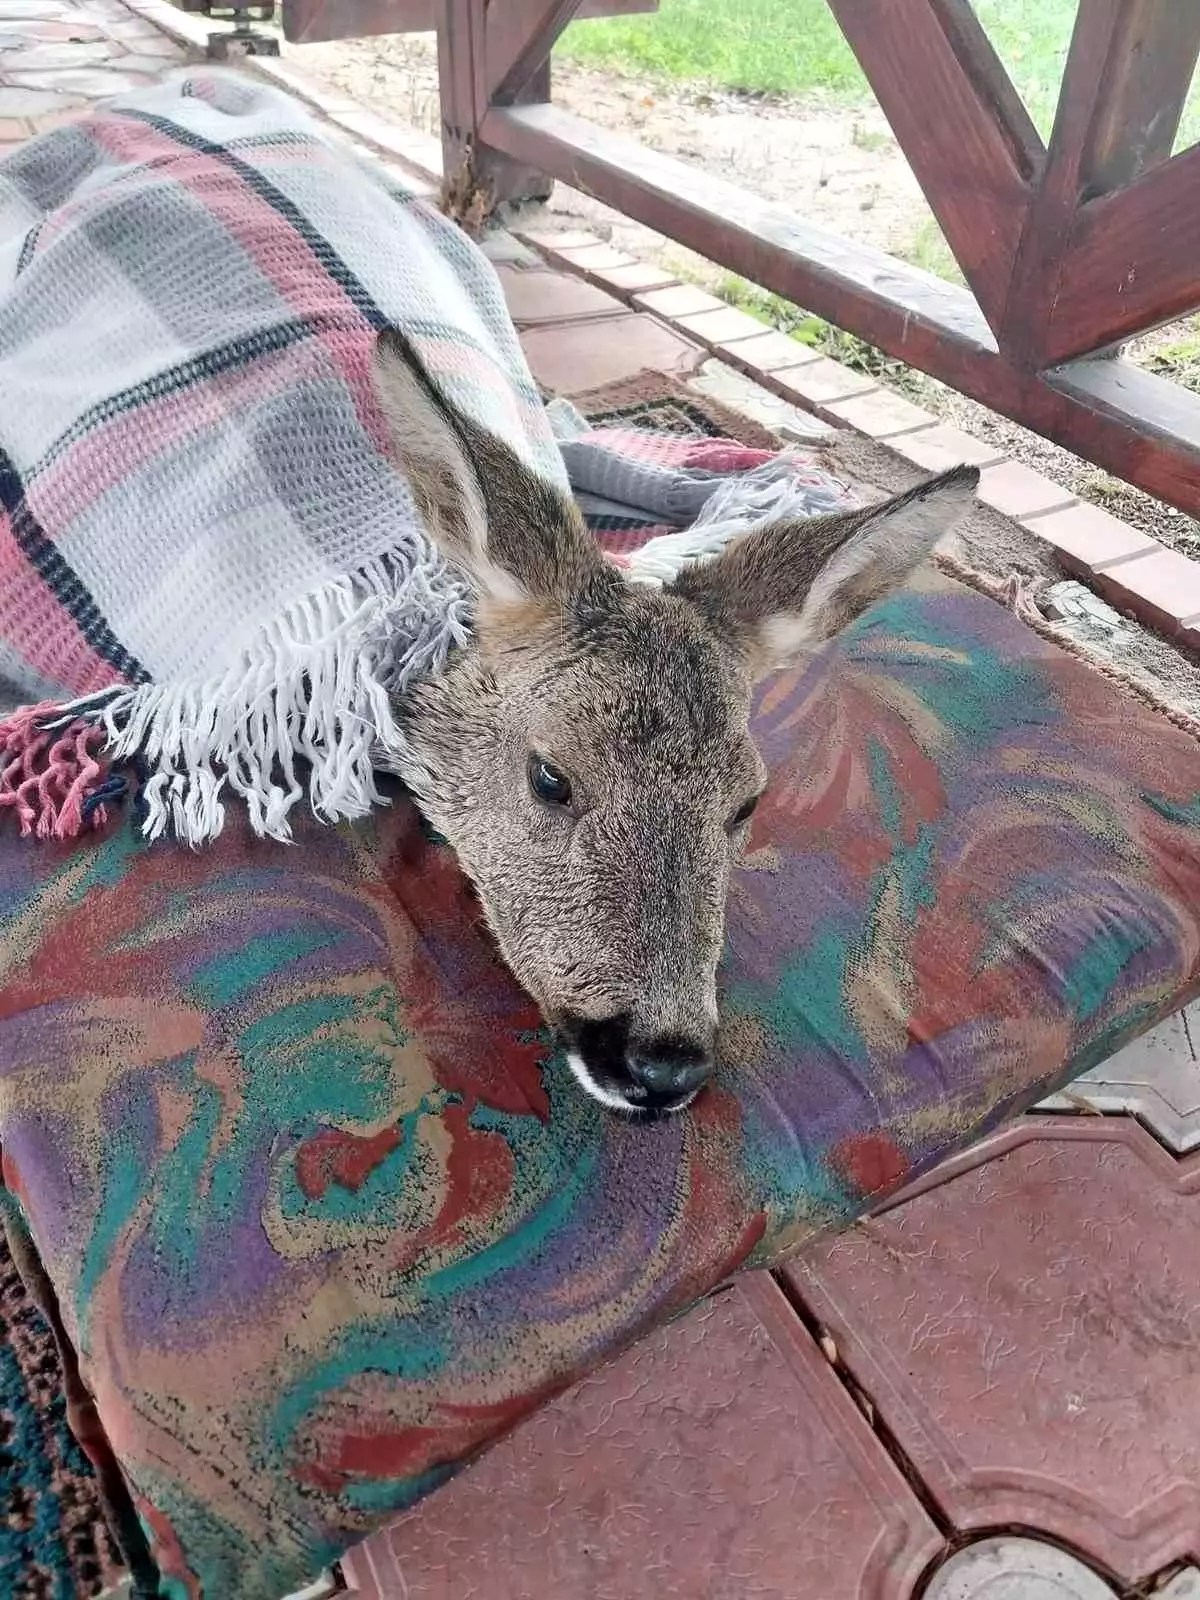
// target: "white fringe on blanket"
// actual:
[[204, 272], [314, 688], [769, 493]]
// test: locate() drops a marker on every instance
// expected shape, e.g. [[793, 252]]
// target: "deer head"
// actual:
[[588, 756]]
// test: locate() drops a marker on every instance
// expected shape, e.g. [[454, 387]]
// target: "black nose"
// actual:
[[667, 1070]]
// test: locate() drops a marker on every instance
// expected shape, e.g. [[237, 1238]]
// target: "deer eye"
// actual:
[[550, 786], [743, 813]]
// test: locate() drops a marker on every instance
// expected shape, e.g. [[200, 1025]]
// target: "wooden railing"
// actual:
[[1067, 250], [309, 21]]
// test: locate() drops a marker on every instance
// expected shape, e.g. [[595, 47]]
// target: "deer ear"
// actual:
[[790, 586], [513, 534]]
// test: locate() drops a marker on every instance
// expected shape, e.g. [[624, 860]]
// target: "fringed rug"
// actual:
[[54, 1542]]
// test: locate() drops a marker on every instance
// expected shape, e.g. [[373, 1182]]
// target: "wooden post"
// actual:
[[494, 52], [967, 136], [1152, 53]]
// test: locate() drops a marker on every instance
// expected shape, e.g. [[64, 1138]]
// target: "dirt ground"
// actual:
[[839, 167]]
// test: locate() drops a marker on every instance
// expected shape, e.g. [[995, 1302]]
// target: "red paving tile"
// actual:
[[767, 352], [1162, 586], [719, 1459], [816, 383], [1085, 536], [29, 28], [681, 300], [635, 279], [89, 83], [551, 242], [1018, 491], [69, 53], [941, 447], [538, 295], [882, 414], [55, 119], [723, 325], [579, 356], [1028, 1330], [18, 102], [596, 258]]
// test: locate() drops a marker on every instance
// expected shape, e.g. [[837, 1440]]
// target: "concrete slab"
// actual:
[[1016, 1569], [1156, 1078]]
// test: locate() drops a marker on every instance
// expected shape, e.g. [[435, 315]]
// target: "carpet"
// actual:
[[54, 1542], [662, 404]]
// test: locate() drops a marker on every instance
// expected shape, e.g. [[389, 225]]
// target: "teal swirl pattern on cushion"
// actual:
[[325, 1212]]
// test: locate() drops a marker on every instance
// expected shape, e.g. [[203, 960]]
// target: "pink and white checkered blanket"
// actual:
[[207, 559]]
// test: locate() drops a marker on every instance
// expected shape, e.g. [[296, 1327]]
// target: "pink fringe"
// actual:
[[46, 775], [724, 455]]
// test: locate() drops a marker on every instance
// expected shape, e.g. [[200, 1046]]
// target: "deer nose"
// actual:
[[668, 1070]]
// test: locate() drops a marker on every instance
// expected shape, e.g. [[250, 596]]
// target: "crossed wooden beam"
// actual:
[[1071, 249]]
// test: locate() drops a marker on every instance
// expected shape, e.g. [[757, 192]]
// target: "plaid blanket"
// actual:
[[208, 561]]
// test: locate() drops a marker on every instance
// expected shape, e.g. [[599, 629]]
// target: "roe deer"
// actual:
[[588, 755]]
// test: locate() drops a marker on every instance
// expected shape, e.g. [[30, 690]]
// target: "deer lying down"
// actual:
[[588, 756]]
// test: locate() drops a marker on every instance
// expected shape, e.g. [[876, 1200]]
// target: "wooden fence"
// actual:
[[1067, 250]]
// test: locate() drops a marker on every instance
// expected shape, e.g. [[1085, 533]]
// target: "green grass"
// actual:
[[795, 47], [770, 46], [929, 251], [1180, 357]]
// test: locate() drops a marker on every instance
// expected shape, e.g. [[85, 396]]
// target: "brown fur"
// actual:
[[610, 909]]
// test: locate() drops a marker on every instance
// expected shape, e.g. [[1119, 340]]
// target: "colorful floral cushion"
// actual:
[[326, 1213]]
